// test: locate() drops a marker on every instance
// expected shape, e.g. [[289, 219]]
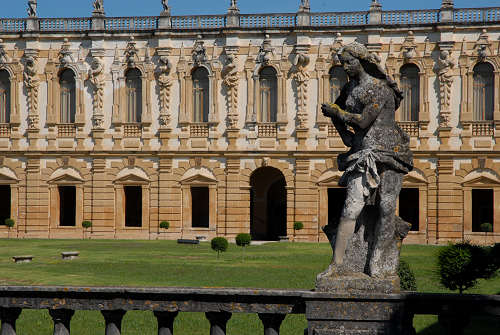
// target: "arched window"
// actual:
[[268, 94], [338, 78], [133, 82], [68, 96], [483, 92], [201, 98], [410, 84], [4, 97]]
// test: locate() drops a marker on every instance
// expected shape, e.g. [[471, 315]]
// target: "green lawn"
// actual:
[[165, 263]]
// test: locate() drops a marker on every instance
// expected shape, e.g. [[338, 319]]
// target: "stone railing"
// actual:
[[339, 19], [66, 130], [470, 15], [200, 130], [403, 17], [4, 130], [65, 24], [326, 19], [410, 127], [482, 128], [267, 20], [333, 311], [131, 23], [199, 22], [12, 24]]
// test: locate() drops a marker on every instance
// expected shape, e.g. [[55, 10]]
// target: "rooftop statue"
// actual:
[[366, 240], [32, 8]]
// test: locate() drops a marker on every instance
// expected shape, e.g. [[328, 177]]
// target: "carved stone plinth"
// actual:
[[369, 314]]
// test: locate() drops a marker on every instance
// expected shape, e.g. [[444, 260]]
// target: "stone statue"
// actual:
[[444, 66], [165, 84], [98, 8], [230, 79], [96, 77], [32, 7], [165, 5], [366, 240], [32, 84]]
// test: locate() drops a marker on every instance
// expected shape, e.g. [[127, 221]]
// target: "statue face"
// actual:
[[351, 64]]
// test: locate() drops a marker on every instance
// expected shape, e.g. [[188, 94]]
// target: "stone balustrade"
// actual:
[[275, 20], [272, 306]]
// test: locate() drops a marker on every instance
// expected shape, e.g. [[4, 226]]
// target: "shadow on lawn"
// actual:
[[478, 326]]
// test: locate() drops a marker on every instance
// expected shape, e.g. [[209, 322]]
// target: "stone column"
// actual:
[[271, 322], [113, 321], [62, 320], [9, 317], [165, 322], [233, 15], [218, 322]]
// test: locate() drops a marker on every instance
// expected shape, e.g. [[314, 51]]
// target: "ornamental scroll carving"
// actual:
[[96, 77], [301, 77], [444, 66], [131, 53], [32, 84], [230, 79], [4, 57], [165, 84]]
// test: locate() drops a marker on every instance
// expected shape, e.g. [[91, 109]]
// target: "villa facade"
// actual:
[[213, 123]]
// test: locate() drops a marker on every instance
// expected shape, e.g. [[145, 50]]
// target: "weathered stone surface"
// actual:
[[367, 238]]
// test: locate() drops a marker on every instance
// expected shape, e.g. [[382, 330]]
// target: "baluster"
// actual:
[[166, 322], [271, 322], [9, 317], [218, 322], [113, 321], [62, 320]]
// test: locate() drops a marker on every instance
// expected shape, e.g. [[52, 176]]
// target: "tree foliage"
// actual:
[[242, 240], [219, 244]]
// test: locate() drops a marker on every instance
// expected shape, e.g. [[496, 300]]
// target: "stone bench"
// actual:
[[69, 255], [22, 259], [201, 238], [186, 241], [283, 238]]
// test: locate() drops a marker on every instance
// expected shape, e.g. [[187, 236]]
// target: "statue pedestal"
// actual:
[[364, 314]]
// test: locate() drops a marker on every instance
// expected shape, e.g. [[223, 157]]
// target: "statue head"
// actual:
[[355, 57]]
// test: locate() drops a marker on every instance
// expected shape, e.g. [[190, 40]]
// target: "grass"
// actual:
[[165, 263]]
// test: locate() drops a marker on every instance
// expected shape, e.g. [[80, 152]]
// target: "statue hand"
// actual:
[[331, 110]]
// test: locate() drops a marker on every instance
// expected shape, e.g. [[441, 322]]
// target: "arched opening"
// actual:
[[410, 85], [201, 98], [483, 92], [268, 94], [4, 97], [268, 204], [133, 83], [67, 84]]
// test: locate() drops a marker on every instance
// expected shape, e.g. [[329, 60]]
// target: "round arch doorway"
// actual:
[[267, 204]]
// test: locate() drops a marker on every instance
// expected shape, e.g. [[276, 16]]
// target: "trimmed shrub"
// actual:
[[10, 223], [297, 225], [87, 224], [219, 244], [242, 240], [407, 277], [462, 264], [164, 225], [486, 227]]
